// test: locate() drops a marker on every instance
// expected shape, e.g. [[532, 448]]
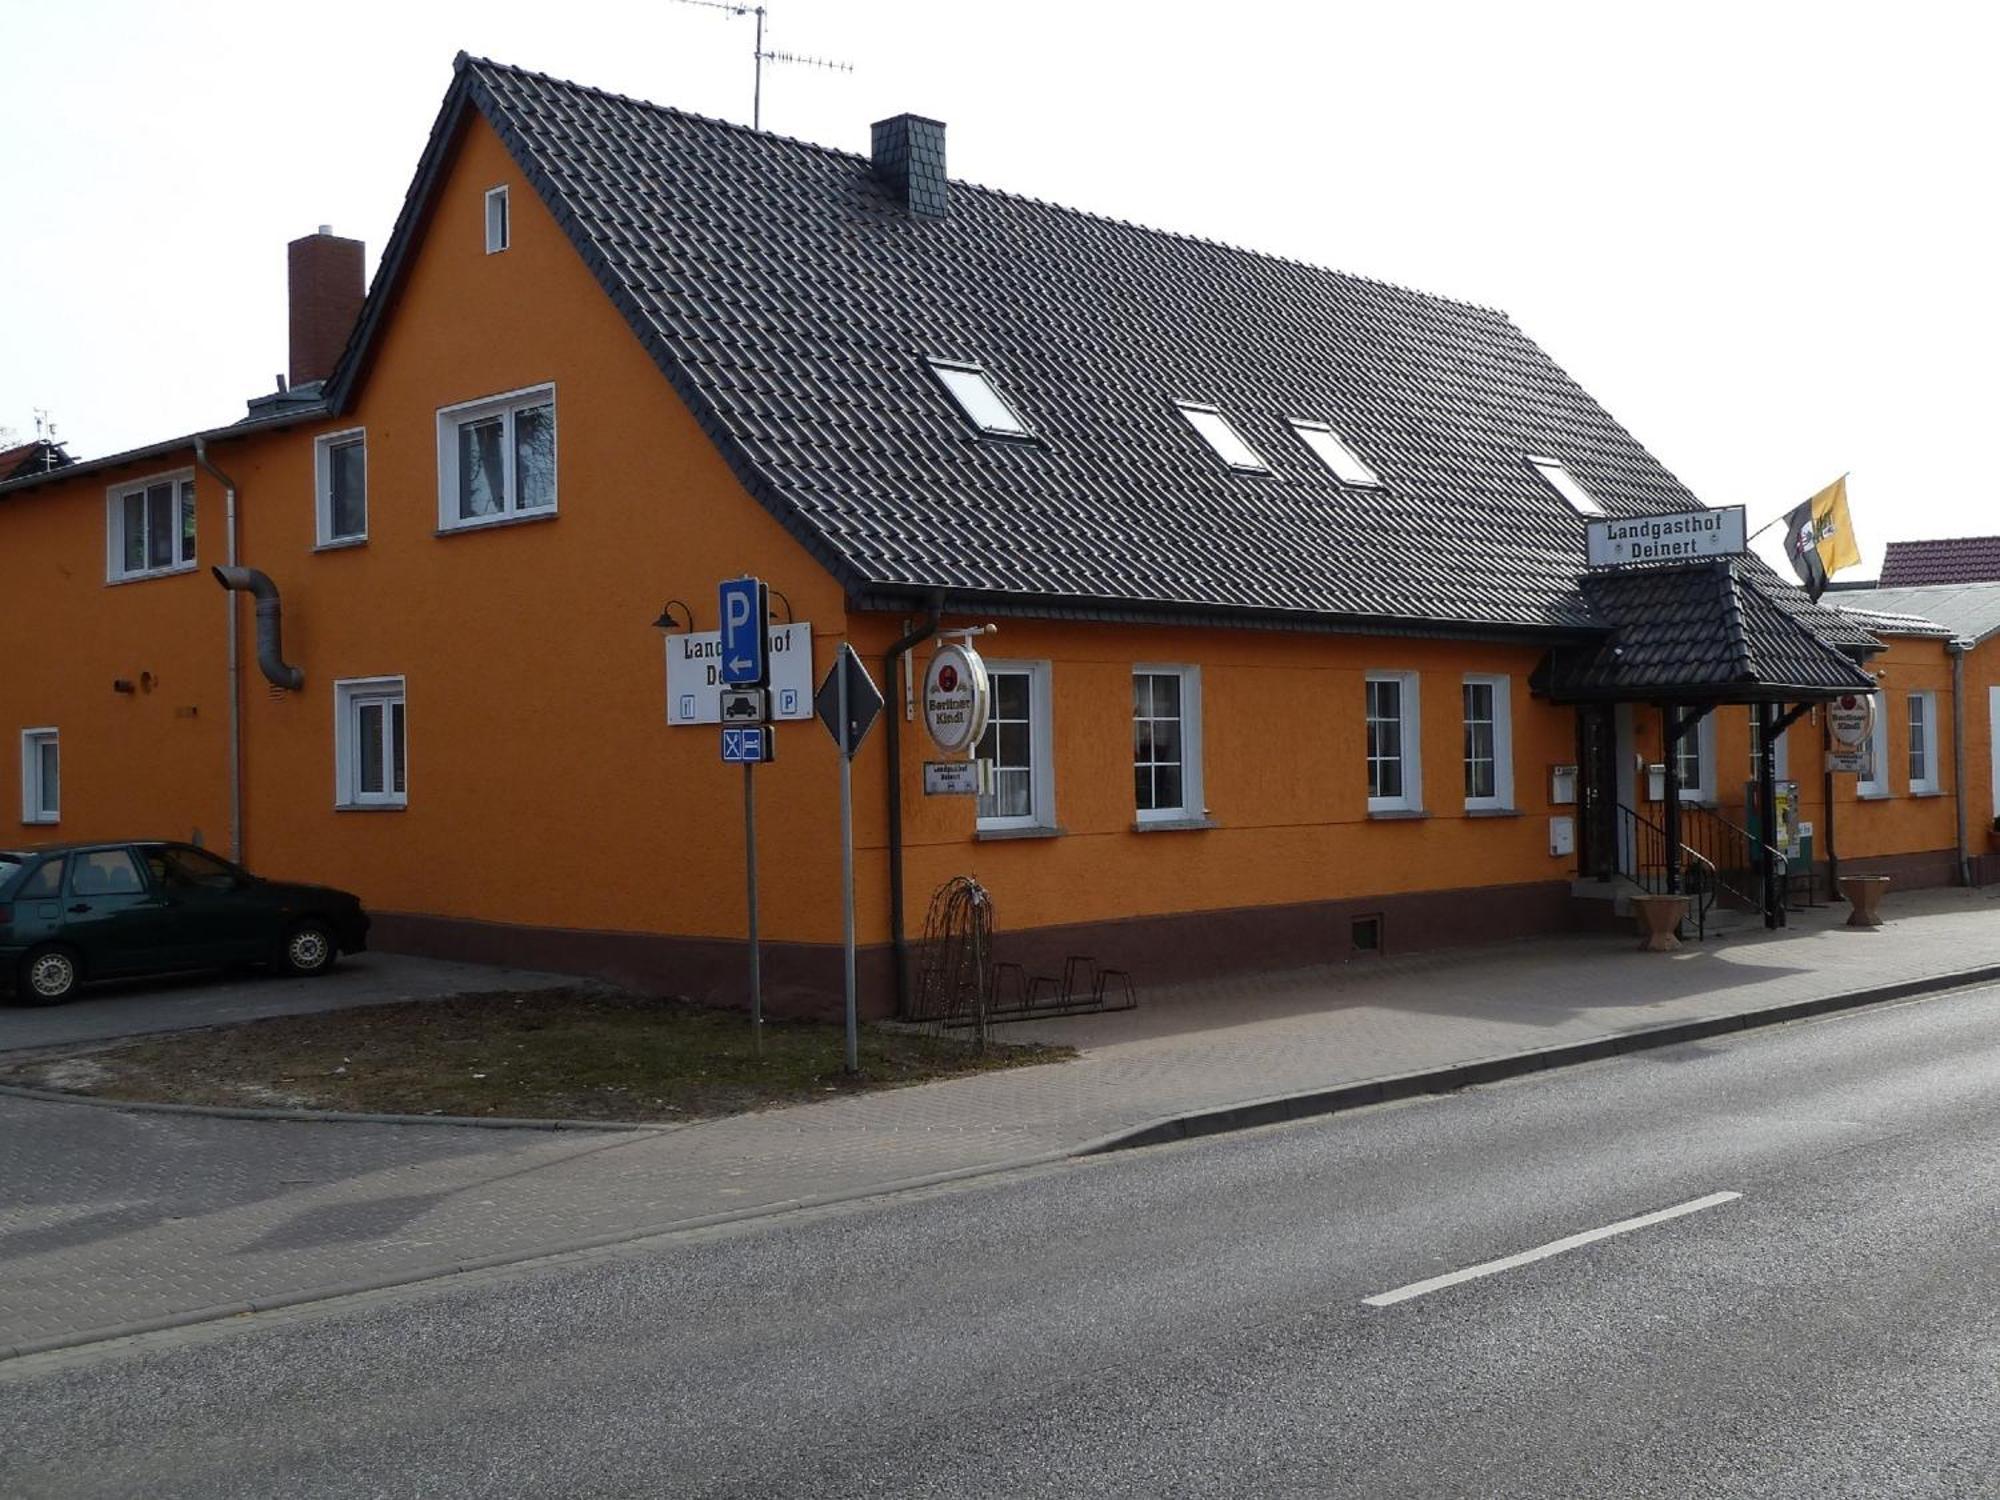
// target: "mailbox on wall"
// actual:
[[1562, 785]]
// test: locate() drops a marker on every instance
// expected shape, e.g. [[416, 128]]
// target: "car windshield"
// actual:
[[11, 866]]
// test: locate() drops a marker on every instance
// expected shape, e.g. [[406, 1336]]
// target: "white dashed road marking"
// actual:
[[1543, 1252]]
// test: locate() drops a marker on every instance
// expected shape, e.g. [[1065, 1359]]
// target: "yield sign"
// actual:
[[864, 702]]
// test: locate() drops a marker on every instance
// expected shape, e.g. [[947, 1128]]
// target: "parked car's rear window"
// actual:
[[44, 882]]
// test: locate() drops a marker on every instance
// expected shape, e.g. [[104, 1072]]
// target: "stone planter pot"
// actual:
[[1660, 918], [1864, 894]]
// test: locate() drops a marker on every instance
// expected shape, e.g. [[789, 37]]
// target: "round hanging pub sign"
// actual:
[[956, 699], [1850, 719]]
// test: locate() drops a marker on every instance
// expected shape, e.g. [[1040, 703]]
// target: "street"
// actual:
[[1194, 1320]]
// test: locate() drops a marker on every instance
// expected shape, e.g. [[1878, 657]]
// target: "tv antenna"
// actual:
[[762, 55]]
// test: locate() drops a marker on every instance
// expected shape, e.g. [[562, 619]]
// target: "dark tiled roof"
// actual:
[[1695, 631], [783, 289], [1965, 559], [792, 302]]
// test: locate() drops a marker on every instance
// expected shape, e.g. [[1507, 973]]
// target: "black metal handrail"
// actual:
[[1731, 852], [1642, 859]]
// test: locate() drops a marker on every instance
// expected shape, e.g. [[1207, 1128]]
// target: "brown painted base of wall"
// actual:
[[802, 979], [1908, 872], [1199, 945]]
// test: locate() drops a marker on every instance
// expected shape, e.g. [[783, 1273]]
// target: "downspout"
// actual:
[[1958, 650], [235, 656], [892, 668]]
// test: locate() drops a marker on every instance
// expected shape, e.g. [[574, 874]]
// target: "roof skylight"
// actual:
[[1564, 483], [1225, 440], [1335, 454], [980, 399]]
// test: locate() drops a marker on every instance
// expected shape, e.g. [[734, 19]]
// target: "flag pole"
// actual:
[[1783, 513]]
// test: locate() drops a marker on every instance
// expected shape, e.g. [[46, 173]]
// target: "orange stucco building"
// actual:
[[472, 519]]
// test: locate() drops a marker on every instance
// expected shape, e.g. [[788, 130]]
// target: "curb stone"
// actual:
[[1307, 1103], [1196, 1123], [334, 1116]]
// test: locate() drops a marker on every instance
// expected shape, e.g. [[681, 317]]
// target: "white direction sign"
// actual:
[[951, 778], [694, 675], [1682, 536]]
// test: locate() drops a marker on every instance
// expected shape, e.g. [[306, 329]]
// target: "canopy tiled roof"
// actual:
[[792, 301], [1695, 632], [1964, 559]]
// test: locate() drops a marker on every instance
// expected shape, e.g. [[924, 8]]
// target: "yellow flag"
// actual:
[[1835, 528]]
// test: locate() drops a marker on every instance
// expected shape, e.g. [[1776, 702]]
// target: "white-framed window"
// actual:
[[1874, 778], [1394, 742], [150, 527], [496, 220], [1556, 475], [1019, 744], [1225, 440], [1489, 743], [1695, 754], [371, 745], [497, 458], [1333, 451], [982, 401], [41, 776], [1923, 743], [1166, 742], [340, 481]]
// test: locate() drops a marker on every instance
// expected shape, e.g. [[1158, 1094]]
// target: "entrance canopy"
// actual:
[[1710, 632]]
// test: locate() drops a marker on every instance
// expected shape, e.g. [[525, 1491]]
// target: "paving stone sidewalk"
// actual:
[[111, 1218]]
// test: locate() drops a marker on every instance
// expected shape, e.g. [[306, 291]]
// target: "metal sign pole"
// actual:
[[846, 753], [750, 866]]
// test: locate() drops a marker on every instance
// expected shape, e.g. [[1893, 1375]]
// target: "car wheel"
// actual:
[[309, 949], [48, 976]]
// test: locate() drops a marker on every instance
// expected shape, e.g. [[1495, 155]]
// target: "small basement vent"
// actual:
[[1365, 935]]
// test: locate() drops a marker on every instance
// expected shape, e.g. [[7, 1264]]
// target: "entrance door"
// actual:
[[1597, 790]]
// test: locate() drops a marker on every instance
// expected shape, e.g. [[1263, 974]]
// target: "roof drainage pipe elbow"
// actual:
[[270, 625]]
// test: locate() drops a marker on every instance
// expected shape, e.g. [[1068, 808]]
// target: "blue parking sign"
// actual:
[[746, 611]]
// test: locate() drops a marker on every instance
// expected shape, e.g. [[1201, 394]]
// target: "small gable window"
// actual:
[[1564, 483], [1336, 455], [1224, 439], [980, 399], [496, 220]]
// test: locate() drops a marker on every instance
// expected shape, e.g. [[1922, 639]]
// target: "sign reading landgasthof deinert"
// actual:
[[1679, 536]]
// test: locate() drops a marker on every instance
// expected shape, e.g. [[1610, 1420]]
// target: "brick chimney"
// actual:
[[327, 284], [908, 156]]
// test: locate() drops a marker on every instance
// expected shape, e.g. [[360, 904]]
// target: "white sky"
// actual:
[[1761, 234]]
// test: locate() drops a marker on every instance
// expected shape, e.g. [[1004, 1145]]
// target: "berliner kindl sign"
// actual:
[[1680, 536], [955, 698]]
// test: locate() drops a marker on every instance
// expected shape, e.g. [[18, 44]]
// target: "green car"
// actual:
[[75, 912]]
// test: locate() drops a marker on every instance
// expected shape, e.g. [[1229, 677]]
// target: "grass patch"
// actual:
[[570, 1054]]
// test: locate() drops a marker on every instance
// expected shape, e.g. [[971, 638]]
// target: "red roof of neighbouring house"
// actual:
[[32, 458], [1962, 559]]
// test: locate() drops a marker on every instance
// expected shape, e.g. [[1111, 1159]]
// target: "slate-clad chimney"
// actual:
[[327, 284], [909, 156]]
